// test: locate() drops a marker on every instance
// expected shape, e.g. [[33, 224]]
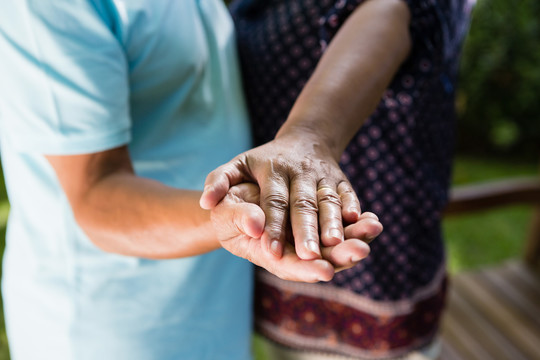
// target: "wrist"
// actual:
[[314, 134]]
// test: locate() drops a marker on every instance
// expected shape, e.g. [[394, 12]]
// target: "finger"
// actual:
[[368, 214], [366, 229], [245, 192], [304, 218], [288, 267], [246, 225], [275, 204], [346, 254], [330, 222], [238, 213], [249, 219], [219, 181], [350, 205], [291, 267], [248, 216]]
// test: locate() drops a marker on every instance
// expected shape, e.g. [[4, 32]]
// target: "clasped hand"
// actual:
[[287, 207]]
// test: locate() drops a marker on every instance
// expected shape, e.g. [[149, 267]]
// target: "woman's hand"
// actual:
[[240, 223], [298, 171], [302, 186]]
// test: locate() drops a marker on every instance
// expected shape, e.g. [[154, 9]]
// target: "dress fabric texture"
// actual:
[[399, 163]]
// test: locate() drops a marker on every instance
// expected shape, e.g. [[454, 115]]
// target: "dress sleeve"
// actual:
[[64, 77]]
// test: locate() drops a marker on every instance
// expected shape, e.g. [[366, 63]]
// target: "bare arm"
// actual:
[[352, 75], [126, 214], [298, 171]]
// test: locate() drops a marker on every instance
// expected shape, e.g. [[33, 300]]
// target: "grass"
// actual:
[[490, 237], [472, 241], [486, 239]]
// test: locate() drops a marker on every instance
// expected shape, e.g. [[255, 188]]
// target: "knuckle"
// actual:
[[329, 197], [348, 192], [305, 204], [306, 165], [344, 187], [325, 182], [278, 166], [277, 201], [350, 197]]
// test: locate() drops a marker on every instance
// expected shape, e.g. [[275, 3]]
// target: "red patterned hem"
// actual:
[[325, 318], [317, 345]]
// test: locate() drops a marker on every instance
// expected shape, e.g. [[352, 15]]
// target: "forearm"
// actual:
[[134, 216], [298, 171], [352, 74], [130, 215]]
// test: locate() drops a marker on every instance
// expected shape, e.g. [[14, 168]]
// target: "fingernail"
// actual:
[[324, 264], [336, 234], [275, 248], [355, 259], [313, 246]]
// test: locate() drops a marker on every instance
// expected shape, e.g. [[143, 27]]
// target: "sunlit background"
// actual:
[[498, 128], [498, 132]]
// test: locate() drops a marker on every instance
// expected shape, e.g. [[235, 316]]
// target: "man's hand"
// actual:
[[240, 223]]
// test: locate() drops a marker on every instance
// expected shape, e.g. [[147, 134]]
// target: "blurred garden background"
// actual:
[[498, 105]]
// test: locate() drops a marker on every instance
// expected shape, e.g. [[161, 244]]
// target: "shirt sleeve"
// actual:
[[64, 85]]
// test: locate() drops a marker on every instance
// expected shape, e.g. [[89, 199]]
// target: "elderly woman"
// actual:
[[373, 83]]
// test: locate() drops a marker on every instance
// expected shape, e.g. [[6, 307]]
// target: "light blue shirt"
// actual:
[[81, 76]]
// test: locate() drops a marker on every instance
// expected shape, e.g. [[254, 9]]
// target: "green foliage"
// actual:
[[4, 211], [499, 89], [470, 169]]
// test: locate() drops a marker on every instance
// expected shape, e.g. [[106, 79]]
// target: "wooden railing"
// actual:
[[494, 312], [485, 196]]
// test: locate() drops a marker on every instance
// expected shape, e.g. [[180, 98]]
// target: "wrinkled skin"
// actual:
[[299, 180], [242, 237]]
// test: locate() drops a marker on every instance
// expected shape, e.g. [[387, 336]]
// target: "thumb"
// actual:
[[218, 183], [249, 219]]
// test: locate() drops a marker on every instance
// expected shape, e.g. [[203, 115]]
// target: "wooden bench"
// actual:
[[494, 313]]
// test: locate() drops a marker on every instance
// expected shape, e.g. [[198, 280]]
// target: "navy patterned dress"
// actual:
[[399, 163]]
